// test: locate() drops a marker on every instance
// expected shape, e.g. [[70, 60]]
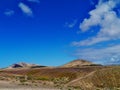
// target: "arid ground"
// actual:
[[71, 76], [7, 85]]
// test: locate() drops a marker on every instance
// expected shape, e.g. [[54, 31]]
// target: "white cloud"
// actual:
[[36, 1], [106, 18], [25, 9], [109, 55], [90, 41], [9, 12], [71, 24]]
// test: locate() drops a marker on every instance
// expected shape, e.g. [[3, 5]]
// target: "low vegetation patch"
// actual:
[[107, 78]]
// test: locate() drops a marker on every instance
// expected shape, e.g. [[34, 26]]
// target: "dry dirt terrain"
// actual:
[[6, 85], [76, 75], [37, 76]]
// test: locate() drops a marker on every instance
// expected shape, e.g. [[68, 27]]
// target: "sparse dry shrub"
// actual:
[[49, 74], [107, 78], [60, 82], [70, 75], [43, 78]]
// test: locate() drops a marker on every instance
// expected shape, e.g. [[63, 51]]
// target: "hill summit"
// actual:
[[22, 65], [78, 63]]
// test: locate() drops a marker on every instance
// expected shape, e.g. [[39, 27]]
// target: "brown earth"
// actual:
[[87, 76]]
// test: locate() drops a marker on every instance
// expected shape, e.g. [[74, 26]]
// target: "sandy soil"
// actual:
[[5, 85]]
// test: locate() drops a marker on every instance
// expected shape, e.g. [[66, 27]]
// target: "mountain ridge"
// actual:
[[79, 63], [22, 65]]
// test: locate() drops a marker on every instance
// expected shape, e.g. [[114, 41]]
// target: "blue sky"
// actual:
[[54, 32]]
